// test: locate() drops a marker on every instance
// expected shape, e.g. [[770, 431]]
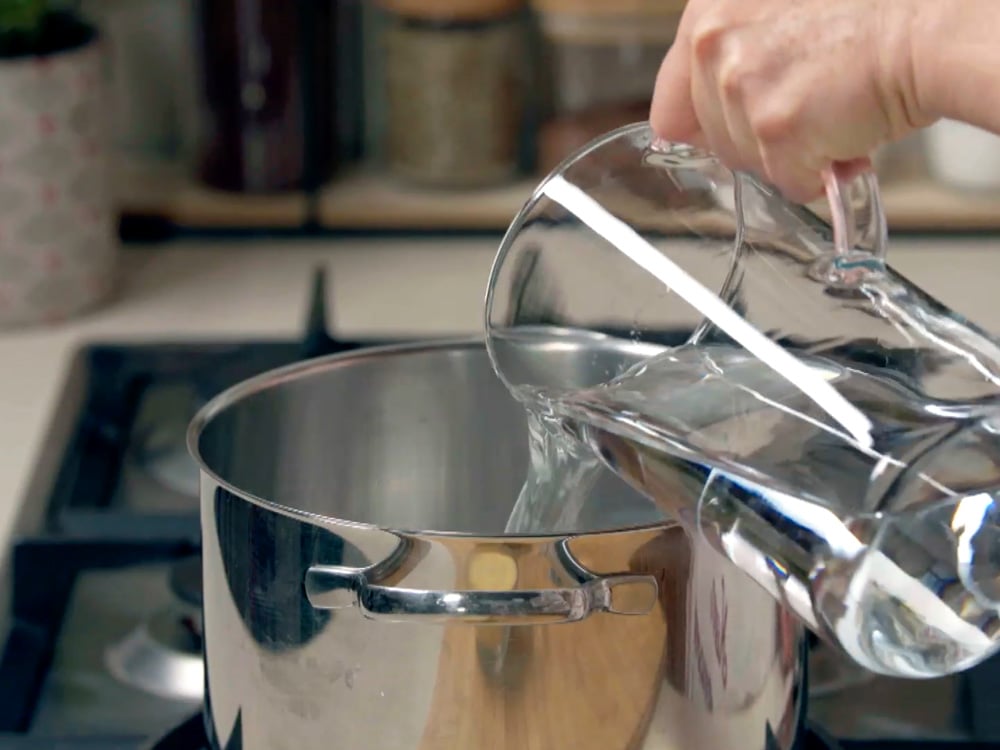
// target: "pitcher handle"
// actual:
[[335, 587], [856, 213]]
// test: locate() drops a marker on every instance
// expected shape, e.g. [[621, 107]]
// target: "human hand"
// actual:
[[788, 88]]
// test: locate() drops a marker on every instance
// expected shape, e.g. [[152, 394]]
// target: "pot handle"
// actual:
[[334, 587]]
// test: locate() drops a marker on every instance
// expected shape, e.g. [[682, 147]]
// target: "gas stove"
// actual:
[[104, 648]]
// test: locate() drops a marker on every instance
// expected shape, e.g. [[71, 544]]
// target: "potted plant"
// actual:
[[57, 231]]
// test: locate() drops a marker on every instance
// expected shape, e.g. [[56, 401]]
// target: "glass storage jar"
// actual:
[[600, 59], [454, 80], [267, 94]]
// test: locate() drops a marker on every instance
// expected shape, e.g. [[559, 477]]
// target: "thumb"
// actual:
[[672, 115]]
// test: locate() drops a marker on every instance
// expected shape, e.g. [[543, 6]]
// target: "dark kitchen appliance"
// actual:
[[103, 648]]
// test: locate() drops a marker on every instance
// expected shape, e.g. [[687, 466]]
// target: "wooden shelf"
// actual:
[[365, 200], [925, 205], [169, 192], [368, 201]]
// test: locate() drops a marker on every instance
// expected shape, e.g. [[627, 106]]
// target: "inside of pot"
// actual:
[[413, 439]]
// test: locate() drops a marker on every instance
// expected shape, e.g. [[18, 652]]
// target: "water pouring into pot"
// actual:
[[835, 427]]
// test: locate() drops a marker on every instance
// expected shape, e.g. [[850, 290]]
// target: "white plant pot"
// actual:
[[58, 243], [963, 156]]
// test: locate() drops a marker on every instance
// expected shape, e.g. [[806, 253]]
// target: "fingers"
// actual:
[[752, 82], [849, 170], [671, 114], [720, 90], [797, 180], [794, 166], [726, 75], [712, 117], [740, 131], [790, 162]]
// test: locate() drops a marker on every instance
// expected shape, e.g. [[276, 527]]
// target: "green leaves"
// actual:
[[41, 27], [22, 16]]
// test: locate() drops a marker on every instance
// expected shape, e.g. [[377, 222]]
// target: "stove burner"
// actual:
[[190, 735], [166, 410], [161, 448], [185, 580], [163, 656]]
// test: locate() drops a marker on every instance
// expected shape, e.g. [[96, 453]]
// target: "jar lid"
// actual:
[[452, 10], [620, 8], [650, 26]]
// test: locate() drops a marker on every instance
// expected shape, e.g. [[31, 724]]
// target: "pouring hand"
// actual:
[[785, 88]]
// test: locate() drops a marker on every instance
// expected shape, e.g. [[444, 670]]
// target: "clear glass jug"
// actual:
[[827, 425]]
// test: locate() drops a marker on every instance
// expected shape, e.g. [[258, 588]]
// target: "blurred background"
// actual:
[[313, 115], [374, 114]]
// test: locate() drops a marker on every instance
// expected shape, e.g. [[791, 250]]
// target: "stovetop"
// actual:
[[103, 652]]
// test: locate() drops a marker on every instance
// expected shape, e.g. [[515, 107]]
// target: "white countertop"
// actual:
[[259, 288]]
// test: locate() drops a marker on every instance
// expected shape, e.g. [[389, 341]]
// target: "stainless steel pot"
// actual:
[[359, 591]]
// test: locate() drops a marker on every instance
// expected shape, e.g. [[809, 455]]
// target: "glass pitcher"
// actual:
[[774, 384]]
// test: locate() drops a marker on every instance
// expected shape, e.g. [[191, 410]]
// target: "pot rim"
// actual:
[[258, 383]]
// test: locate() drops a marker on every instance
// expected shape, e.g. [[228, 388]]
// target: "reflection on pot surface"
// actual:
[[359, 589]]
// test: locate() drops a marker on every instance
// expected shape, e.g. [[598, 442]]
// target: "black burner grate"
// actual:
[[118, 378], [86, 531], [189, 735]]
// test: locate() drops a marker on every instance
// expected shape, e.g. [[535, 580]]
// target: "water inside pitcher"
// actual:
[[778, 387]]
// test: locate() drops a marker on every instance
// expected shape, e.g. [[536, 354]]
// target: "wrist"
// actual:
[[908, 73], [928, 57], [954, 61]]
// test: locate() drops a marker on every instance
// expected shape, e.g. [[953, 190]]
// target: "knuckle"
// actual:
[[793, 179], [774, 124], [708, 37], [734, 76], [724, 48], [737, 66]]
